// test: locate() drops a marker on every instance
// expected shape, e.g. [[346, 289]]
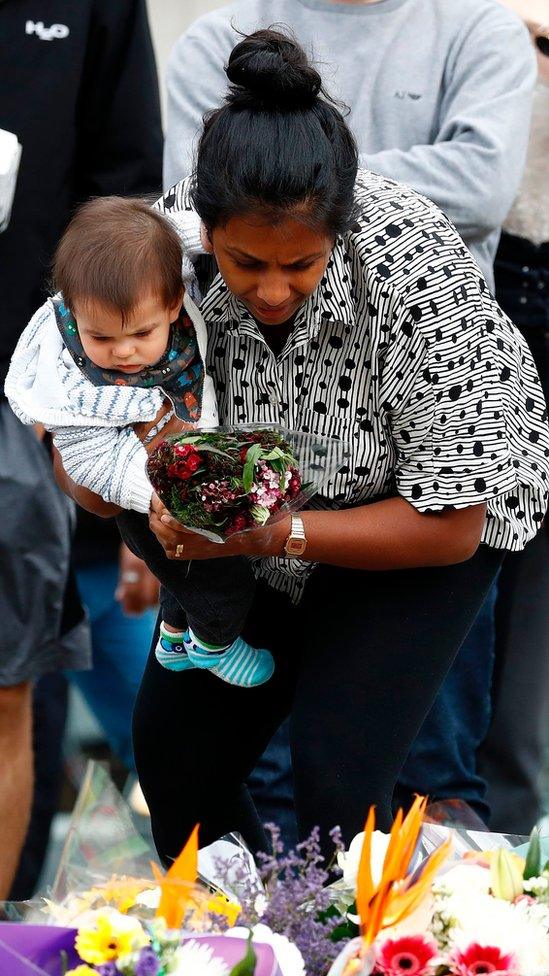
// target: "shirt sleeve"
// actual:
[[110, 461], [472, 169], [464, 404]]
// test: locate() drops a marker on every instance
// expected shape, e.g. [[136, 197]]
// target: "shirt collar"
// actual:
[[332, 301]]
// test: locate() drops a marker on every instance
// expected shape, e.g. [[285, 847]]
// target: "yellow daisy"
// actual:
[[109, 938], [81, 971]]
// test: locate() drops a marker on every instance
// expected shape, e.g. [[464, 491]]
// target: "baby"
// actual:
[[122, 337]]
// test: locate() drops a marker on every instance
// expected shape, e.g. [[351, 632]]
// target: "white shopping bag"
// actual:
[[10, 154]]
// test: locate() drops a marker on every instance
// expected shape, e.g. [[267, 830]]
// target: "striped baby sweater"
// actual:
[[92, 425]]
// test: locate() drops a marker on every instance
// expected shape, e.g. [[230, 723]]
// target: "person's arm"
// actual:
[[138, 589], [108, 461], [386, 535], [472, 171], [82, 496], [91, 500], [196, 83], [119, 142]]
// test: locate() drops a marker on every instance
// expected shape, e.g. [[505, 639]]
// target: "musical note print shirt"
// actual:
[[403, 352]]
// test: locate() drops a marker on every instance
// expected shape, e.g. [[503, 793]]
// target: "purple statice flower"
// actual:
[[297, 899], [108, 969], [148, 963]]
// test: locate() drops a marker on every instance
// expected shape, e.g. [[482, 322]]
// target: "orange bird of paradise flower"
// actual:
[[177, 885], [398, 893]]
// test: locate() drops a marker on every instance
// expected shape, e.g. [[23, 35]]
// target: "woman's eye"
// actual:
[[142, 335]]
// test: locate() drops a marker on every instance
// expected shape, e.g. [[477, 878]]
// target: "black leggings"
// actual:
[[358, 665]]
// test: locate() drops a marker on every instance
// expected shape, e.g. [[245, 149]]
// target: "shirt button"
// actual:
[[273, 399]]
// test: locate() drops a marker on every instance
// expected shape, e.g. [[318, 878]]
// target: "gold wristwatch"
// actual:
[[296, 543]]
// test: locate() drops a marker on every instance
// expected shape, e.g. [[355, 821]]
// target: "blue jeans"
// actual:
[[442, 761], [121, 646], [271, 785]]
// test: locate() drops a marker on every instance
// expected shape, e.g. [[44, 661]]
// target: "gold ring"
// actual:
[[179, 550]]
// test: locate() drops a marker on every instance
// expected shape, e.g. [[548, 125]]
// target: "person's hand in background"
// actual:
[[137, 588]]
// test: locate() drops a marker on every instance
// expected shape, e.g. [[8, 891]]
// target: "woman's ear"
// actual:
[[206, 240]]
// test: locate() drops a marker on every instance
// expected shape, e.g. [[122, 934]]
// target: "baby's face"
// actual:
[[141, 342]]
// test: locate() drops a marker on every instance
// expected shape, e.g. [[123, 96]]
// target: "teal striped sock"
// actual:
[[239, 664], [171, 650]]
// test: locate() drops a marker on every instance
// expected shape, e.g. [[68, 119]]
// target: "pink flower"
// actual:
[[477, 960], [411, 955]]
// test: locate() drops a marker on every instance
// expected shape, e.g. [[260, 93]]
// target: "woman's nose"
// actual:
[[273, 290]]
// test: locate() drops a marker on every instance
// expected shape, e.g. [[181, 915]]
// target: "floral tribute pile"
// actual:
[[225, 481], [393, 912], [487, 913]]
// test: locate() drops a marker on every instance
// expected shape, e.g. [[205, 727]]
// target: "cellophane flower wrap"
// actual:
[[233, 479]]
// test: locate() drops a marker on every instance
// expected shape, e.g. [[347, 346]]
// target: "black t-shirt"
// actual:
[[78, 87]]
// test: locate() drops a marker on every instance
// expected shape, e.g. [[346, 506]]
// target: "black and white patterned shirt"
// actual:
[[403, 351]]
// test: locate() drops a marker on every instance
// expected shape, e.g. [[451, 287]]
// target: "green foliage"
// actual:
[[532, 867], [252, 456], [246, 966]]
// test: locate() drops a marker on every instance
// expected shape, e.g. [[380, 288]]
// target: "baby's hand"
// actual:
[[174, 426]]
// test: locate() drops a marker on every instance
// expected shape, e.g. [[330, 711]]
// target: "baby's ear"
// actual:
[[175, 309]]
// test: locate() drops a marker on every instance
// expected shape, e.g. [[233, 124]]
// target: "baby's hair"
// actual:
[[116, 250]]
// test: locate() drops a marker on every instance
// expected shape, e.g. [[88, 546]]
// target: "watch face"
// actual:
[[295, 547]]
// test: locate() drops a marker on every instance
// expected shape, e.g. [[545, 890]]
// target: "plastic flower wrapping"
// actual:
[[233, 479], [425, 900]]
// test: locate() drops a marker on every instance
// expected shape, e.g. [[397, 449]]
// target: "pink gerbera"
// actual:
[[411, 955], [478, 960]]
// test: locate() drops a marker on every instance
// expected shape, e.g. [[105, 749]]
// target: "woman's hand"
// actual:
[[137, 588], [181, 543]]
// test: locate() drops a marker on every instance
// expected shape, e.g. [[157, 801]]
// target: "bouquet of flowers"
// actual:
[[486, 912], [233, 479], [421, 901]]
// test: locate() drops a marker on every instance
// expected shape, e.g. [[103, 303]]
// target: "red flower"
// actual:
[[238, 523], [479, 960], [188, 461], [183, 450], [411, 955]]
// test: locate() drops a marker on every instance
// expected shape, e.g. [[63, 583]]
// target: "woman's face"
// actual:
[[271, 269]]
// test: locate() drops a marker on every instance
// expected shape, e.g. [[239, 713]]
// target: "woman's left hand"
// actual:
[[181, 543]]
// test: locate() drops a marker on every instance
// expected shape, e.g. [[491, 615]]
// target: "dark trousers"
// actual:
[[442, 762], [512, 756], [358, 664], [213, 596]]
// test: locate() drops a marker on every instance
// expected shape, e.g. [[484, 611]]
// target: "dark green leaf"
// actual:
[[532, 866], [246, 966], [252, 456]]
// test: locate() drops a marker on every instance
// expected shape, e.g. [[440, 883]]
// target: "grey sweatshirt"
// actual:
[[439, 90]]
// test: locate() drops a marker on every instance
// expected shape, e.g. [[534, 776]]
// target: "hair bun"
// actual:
[[270, 70]]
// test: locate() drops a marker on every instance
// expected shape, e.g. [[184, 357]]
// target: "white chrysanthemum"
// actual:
[[193, 959], [492, 921], [349, 860], [149, 898], [465, 880], [287, 954]]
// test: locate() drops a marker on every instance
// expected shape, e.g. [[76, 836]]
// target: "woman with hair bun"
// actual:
[[346, 305]]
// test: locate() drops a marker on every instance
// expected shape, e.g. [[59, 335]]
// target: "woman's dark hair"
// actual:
[[278, 146]]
